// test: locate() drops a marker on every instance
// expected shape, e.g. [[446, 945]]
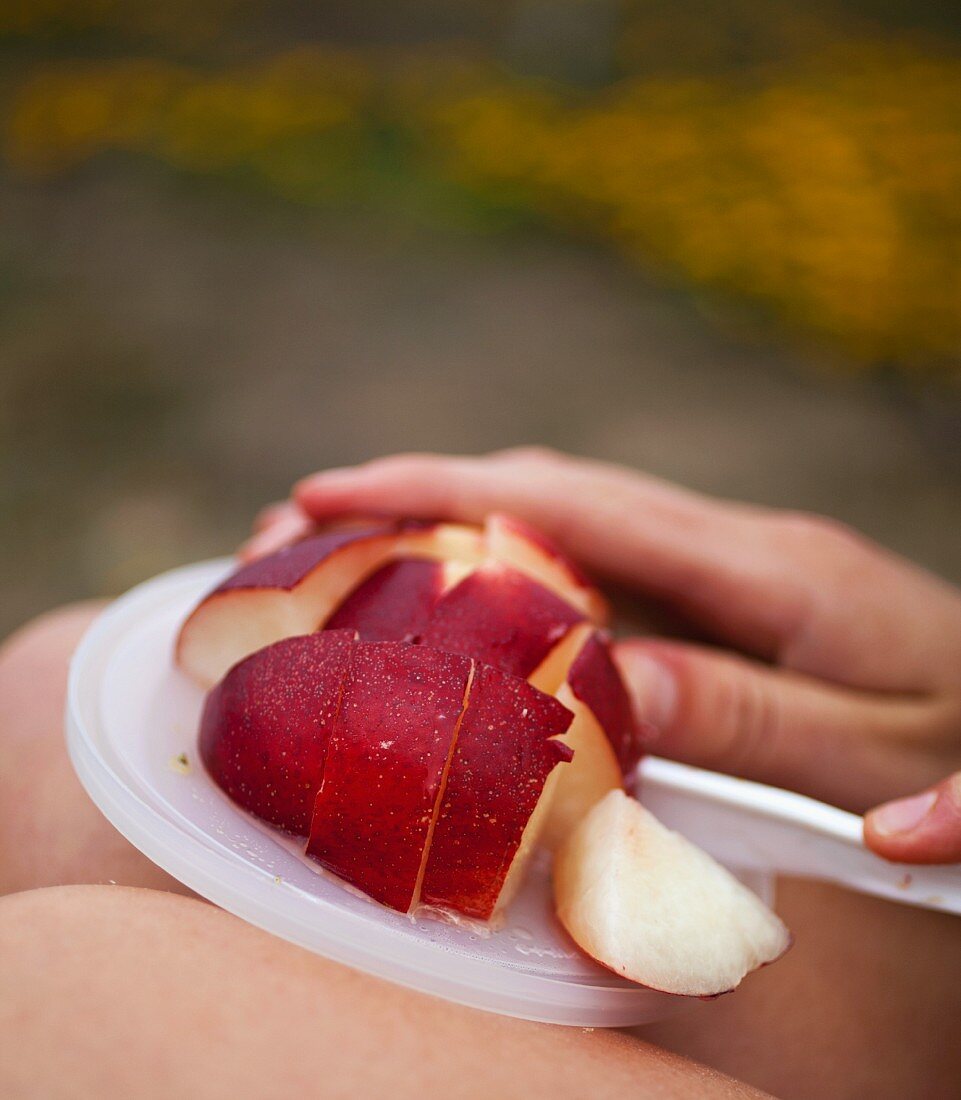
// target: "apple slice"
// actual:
[[286, 594], [649, 905], [591, 774], [595, 769], [295, 589], [502, 618], [596, 681], [497, 790], [393, 604], [265, 726], [385, 766], [513, 542]]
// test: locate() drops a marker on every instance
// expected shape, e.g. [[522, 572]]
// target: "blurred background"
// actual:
[[718, 239]]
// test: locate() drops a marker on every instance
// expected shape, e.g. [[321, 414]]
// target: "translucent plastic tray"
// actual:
[[132, 717]]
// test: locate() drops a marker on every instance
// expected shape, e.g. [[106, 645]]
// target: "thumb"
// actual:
[[720, 711], [924, 828]]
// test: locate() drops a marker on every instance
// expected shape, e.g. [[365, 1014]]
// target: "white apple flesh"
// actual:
[[654, 908]]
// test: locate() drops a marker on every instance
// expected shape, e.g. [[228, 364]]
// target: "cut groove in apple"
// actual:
[[385, 762], [649, 905], [595, 769]]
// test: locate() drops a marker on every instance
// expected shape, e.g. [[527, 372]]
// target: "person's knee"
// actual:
[[33, 678], [46, 642], [50, 831]]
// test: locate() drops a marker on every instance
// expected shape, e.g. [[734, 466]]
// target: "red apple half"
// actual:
[[654, 908]]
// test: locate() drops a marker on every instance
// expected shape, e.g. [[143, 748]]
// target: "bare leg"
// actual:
[[50, 831], [109, 991], [864, 1004]]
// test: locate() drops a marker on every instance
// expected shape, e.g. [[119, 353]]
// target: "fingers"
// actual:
[[924, 828], [798, 590], [728, 714], [704, 556], [277, 526]]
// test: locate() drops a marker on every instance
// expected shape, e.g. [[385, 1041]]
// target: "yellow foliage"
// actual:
[[827, 192]]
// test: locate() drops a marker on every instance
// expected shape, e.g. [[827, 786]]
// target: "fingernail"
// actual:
[[652, 687], [904, 815]]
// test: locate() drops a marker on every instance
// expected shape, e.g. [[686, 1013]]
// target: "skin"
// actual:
[[50, 831], [158, 975], [845, 1014], [203, 1005]]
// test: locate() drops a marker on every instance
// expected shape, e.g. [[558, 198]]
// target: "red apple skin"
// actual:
[[266, 725], [596, 681], [288, 567], [394, 604], [502, 760], [385, 765], [500, 617]]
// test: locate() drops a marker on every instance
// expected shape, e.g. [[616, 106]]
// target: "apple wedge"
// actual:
[[286, 594], [393, 604], [500, 617], [295, 590], [496, 795], [593, 771], [649, 905], [605, 738], [385, 766], [595, 680], [266, 725]]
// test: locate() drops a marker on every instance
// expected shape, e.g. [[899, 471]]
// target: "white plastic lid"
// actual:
[[131, 714]]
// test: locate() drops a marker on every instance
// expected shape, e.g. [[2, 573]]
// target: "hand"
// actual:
[[839, 673]]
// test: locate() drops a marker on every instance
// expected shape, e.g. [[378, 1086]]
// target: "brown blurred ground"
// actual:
[[171, 358]]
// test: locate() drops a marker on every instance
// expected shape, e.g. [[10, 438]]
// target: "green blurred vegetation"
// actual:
[[801, 164]]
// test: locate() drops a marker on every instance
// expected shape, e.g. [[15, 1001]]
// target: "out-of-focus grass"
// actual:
[[814, 179]]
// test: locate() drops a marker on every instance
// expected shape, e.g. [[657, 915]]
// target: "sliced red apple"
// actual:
[[385, 766], [265, 727], [497, 783], [393, 604], [500, 617], [652, 907], [515, 543]]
